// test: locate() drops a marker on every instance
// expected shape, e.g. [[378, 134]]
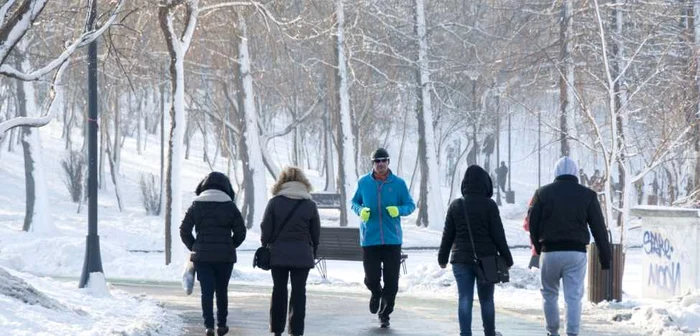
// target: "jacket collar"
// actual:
[[571, 178], [213, 195], [295, 190]]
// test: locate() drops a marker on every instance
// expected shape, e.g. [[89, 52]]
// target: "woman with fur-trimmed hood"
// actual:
[[291, 226]]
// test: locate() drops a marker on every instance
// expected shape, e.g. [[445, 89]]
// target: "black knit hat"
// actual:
[[380, 153]]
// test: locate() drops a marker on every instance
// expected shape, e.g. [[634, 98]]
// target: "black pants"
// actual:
[[214, 277], [384, 259], [297, 301]]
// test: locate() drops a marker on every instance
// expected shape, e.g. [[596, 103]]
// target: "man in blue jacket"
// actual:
[[380, 200]]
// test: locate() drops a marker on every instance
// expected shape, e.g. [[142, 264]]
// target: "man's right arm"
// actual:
[[596, 221], [357, 203]]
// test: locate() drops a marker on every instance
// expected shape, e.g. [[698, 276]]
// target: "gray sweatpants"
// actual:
[[569, 266]]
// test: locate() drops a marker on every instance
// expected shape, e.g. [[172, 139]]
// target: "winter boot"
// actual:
[[220, 331], [210, 332], [374, 302], [384, 322]]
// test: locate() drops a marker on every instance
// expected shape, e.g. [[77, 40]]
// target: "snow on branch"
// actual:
[[21, 21], [258, 6], [84, 39], [55, 94]]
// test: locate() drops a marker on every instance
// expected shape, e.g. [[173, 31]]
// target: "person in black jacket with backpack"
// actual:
[[291, 226], [560, 216], [220, 230], [489, 238]]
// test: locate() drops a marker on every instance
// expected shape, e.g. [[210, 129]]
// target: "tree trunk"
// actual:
[[347, 177], [328, 151], [177, 45], [430, 210], [36, 217], [249, 141], [566, 75]]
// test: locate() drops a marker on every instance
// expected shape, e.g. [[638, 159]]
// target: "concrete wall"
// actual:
[[671, 251]]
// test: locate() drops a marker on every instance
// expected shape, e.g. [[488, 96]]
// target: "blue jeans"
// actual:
[[465, 275]]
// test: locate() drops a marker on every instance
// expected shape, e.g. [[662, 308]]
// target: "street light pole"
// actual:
[[498, 144], [539, 148], [93, 260]]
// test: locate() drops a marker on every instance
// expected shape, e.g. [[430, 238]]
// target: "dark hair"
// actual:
[[217, 181]]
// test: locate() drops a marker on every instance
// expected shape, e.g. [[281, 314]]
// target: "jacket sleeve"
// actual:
[[448, 235], [315, 229], [268, 224], [596, 222], [406, 204], [238, 227], [535, 216], [357, 202], [186, 228], [498, 234]]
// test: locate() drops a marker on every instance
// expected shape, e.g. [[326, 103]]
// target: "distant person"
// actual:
[[220, 230], [380, 200], [639, 188], [502, 176], [489, 238], [560, 217], [583, 178], [291, 219], [597, 182]]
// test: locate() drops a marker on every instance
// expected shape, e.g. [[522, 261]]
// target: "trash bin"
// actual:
[[510, 197], [605, 284]]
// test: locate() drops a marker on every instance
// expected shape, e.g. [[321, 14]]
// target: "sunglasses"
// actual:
[[380, 160]]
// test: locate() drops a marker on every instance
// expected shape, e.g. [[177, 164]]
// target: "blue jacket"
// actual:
[[380, 228]]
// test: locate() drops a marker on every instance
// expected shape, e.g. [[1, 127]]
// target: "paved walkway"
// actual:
[[334, 313]]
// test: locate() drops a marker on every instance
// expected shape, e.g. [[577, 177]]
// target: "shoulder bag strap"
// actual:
[[289, 216], [469, 228]]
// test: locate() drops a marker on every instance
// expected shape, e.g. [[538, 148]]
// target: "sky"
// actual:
[[39, 272]]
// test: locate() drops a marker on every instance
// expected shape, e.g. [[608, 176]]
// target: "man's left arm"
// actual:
[[406, 204]]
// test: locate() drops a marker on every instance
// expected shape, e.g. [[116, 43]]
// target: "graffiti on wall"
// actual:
[[664, 271]]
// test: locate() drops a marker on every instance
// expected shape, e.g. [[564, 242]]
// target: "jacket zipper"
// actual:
[[379, 207]]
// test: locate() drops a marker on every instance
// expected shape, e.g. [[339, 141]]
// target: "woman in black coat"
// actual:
[[220, 230], [292, 247], [489, 240]]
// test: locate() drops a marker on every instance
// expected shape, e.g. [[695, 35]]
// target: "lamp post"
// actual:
[[498, 91], [93, 260]]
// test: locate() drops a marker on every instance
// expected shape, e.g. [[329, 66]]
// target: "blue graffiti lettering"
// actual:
[[665, 277], [655, 243]]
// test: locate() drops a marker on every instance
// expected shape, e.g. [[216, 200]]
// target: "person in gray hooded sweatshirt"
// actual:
[[560, 216]]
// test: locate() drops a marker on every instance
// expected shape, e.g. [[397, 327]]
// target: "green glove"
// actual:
[[364, 214], [393, 211]]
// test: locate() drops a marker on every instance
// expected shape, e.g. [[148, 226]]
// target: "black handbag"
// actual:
[[261, 259], [489, 269]]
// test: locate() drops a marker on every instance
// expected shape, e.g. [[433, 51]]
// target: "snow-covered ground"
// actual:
[[47, 266]]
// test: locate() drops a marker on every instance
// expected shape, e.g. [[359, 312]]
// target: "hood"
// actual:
[[217, 181], [295, 190], [565, 166], [477, 181]]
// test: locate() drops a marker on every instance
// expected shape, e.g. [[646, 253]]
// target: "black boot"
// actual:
[[374, 302], [210, 332], [384, 321], [220, 331]]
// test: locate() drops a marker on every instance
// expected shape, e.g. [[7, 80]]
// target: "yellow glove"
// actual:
[[364, 214], [393, 211]]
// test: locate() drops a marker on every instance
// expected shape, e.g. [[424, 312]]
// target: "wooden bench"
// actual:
[[341, 243], [326, 200]]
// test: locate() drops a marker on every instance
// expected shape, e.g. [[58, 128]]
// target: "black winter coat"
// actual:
[[295, 246], [217, 222], [560, 216], [484, 220]]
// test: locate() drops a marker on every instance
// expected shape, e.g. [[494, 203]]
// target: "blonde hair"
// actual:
[[291, 174]]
